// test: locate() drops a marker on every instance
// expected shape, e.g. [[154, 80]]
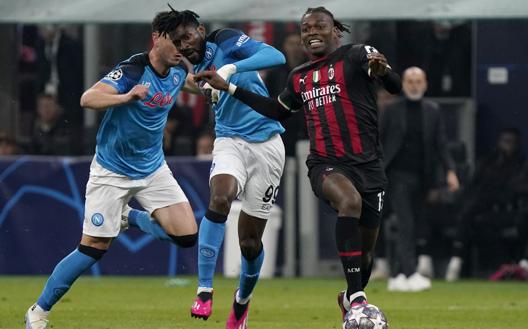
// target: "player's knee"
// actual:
[[221, 203], [95, 253], [250, 248], [184, 241], [100, 243], [350, 206]]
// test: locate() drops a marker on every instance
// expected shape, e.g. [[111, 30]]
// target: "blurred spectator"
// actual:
[[489, 203], [276, 82], [50, 134], [204, 145], [521, 189], [384, 98], [414, 142], [8, 146], [443, 49], [60, 72], [449, 60], [27, 79], [381, 269]]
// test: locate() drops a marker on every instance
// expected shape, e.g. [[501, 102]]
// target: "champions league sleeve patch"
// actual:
[[115, 74], [370, 49]]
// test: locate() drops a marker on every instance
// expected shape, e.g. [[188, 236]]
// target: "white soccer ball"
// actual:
[[365, 316]]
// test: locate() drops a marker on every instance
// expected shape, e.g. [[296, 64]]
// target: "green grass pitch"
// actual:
[[149, 302]]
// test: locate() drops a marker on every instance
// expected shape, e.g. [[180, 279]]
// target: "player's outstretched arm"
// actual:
[[266, 106], [265, 57], [102, 96], [250, 55]]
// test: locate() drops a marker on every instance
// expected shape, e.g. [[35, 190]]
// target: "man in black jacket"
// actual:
[[414, 143]]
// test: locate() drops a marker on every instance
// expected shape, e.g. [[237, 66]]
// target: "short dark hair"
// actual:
[[340, 26], [168, 21]]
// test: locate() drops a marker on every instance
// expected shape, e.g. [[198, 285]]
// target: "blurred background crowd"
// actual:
[[467, 192]]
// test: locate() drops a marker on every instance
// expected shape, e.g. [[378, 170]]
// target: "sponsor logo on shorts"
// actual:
[[97, 219], [207, 252], [266, 207]]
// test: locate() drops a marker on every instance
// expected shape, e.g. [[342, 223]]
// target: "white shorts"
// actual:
[[257, 168], [107, 194]]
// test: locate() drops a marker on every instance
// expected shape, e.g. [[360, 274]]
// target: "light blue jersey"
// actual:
[[129, 140], [234, 118]]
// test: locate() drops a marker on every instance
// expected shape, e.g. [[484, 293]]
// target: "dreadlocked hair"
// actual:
[[168, 21], [340, 26]]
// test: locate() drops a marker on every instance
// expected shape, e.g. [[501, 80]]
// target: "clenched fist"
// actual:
[[138, 92], [377, 64]]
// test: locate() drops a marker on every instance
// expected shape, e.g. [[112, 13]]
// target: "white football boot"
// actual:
[[36, 318], [418, 282], [398, 283]]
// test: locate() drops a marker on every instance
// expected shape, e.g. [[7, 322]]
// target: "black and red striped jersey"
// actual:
[[339, 101]]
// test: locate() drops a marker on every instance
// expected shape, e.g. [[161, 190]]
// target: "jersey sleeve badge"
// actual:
[[115, 74]]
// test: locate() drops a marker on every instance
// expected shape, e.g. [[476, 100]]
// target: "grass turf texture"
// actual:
[[147, 302]]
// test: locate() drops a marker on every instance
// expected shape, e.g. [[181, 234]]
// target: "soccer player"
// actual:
[[129, 162], [337, 91], [248, 157]]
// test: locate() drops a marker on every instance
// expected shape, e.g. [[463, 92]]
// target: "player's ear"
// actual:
[[337, 34], [201, 30], [155, 36]]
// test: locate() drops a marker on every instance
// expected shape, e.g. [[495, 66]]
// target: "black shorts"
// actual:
[[370, 181]]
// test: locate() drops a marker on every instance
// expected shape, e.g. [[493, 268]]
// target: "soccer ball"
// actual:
[[365, 316]]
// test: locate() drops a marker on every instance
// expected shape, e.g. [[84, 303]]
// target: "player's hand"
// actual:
[[212, 95], [138, 92], [212, 79], [377, 64]]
